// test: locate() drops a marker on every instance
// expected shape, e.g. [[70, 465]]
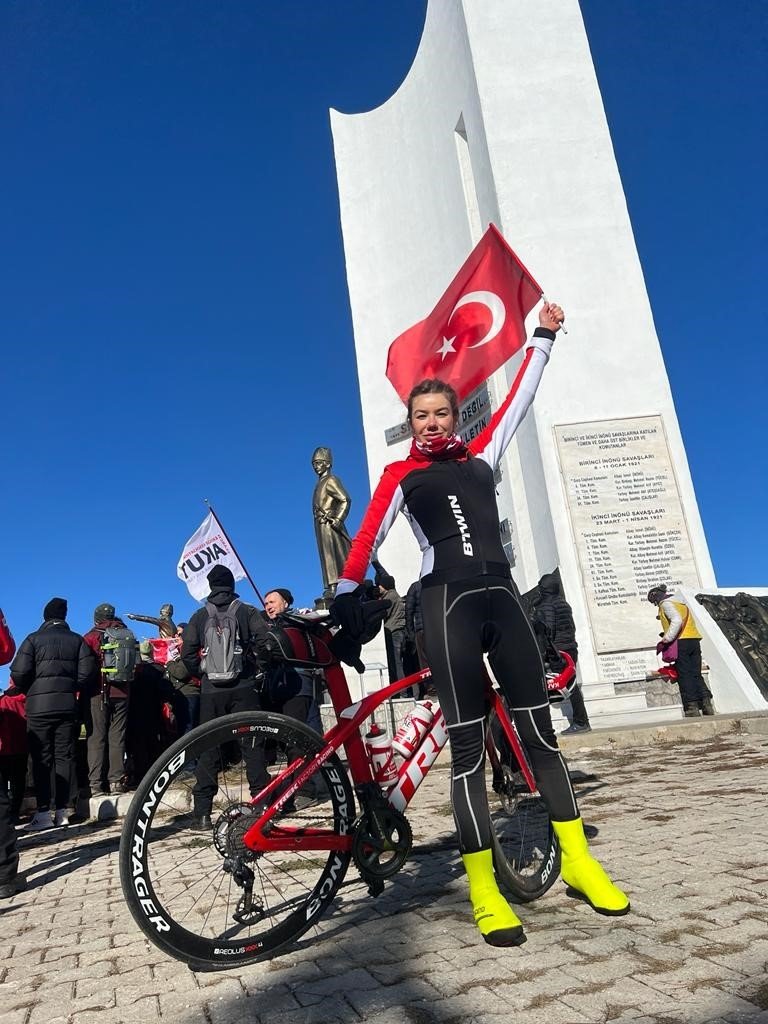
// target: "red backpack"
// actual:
[[7, 643]]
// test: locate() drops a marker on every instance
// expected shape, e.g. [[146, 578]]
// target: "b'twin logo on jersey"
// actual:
[[466, 540]]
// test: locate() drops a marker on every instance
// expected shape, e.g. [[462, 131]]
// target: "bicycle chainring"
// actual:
[[381, 844]]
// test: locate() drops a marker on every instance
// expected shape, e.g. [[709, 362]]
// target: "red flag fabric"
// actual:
[[474, 328]]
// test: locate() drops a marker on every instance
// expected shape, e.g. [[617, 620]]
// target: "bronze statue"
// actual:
[[165, 624], [743, 620], [330, 507]]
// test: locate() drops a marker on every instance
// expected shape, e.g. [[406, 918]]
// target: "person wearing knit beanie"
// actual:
[[221, 578], [52, 667], [55, 609], [277, 601]]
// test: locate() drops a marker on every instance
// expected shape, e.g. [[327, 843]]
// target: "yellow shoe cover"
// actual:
[[585, 877], [498, 923]]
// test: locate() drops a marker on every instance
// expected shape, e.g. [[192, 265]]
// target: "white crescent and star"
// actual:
[[498, 315]]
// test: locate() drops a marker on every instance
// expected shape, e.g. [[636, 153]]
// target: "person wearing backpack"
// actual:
[[117, 651], [225, 646], [52, 665]]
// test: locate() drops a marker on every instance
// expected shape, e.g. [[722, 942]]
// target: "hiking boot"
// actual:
[[691, 711], [41, 821], [707, 707], [202, 824], [9, 889], [575, 727]]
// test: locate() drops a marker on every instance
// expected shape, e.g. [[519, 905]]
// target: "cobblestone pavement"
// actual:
[[681, 826]]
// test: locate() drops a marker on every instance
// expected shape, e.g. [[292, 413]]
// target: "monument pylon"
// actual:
[[500, 120]]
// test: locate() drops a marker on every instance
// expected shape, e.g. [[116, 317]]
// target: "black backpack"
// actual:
[[119, 653]]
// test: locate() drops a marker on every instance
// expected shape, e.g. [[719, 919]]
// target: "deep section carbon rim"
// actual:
[[202, 896]]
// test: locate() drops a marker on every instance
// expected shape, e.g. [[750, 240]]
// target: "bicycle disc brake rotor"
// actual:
[[382, 842], [508, 789]]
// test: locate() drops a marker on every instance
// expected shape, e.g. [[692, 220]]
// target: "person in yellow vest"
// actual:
[[680, 626]]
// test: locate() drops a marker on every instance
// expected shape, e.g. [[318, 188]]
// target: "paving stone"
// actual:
[[330, 1011], [19, 1016], [602, 1000], [380, 997], [694, 950]]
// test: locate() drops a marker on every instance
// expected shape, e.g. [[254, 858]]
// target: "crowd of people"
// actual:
[[88, 714]]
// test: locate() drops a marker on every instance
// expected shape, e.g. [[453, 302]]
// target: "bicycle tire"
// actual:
[[526, 854], [163, 863]]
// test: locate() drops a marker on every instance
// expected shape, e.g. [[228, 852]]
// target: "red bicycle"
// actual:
[[272, 863]]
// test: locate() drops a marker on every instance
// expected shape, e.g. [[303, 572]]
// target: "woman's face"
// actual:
[[432, 417]]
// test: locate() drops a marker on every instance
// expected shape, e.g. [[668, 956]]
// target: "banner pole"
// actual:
[[234, 551]]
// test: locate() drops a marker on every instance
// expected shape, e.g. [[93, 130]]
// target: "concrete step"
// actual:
[[681, 730], [593, 691], [633, 703], [630, 718]]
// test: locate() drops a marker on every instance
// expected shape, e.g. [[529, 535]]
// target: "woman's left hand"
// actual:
[[551, 316]]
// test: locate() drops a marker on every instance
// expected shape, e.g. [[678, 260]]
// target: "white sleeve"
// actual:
[[494, 440], [675, 622]]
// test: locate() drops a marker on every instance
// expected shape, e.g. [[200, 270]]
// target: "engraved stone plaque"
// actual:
[[628, 524]]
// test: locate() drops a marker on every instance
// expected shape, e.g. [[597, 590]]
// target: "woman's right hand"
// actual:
[[551, 316]]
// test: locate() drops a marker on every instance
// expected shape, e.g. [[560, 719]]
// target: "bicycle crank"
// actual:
[[381, 844]]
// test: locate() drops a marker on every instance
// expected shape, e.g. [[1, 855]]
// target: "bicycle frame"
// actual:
[[346, 732]]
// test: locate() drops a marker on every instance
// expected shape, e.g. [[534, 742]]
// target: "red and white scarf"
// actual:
[[436, 448]]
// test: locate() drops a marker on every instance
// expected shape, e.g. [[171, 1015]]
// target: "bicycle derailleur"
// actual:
[[228, 839], [382, 840]]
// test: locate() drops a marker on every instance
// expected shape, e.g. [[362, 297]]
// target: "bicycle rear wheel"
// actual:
[[202, 896], [526, 854]]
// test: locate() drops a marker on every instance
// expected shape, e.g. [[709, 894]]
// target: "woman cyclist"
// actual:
[[470, 606]]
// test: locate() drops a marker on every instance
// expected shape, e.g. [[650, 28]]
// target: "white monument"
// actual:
[[500, 120]]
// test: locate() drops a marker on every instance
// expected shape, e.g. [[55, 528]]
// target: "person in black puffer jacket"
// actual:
[[555, 613], [52, 667]]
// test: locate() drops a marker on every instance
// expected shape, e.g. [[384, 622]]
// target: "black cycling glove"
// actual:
[[347, 611]]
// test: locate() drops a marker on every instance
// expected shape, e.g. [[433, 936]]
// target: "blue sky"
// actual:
[[174, 309]]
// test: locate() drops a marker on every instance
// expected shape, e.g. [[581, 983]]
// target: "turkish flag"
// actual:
[[474, 328]]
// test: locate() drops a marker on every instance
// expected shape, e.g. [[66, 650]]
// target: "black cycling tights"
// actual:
[[461, 621]]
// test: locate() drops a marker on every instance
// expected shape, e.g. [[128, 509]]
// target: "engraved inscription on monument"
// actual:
[[627, 521]]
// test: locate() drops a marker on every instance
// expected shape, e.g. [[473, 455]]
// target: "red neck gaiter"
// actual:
[[438, 448]]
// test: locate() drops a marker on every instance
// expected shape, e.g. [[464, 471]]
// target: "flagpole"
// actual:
[[234, 551]]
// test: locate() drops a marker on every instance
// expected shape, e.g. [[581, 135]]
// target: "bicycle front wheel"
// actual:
[[526, 854], [199, 893]]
